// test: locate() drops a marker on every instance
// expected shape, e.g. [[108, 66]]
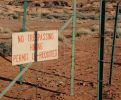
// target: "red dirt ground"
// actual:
[[50, 80]]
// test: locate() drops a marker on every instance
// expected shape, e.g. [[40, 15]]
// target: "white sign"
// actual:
[[26, 46]]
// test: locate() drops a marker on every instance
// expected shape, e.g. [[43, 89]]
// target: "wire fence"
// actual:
[[50, 76]]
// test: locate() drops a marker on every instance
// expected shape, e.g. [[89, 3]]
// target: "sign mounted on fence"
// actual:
[[34, 46]]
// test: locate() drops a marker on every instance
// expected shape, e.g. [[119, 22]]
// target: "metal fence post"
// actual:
[[116, 19], [113, 44], [23, 70], [14, 81], [23, 30], [73, 48], [101, 49]]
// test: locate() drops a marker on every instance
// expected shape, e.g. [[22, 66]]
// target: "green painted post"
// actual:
[[116, 19], [24, 16], [113, 44], [22, 69], [65, 25], [23, 30], [101, 49], [62, 29], [73, 49], [14, 81]]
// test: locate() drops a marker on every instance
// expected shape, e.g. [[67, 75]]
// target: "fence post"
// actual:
[[73, 48], [113, 44], [101, 49], [62, 29], [23, 30], [14, 81], [116, 19]]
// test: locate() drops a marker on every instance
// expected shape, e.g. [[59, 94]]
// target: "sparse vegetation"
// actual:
[[95, 28], [109, 31], [119, 25], [5, 49], [51, 79], [83, 31], [4, 30], [119, 31], [16, 16]]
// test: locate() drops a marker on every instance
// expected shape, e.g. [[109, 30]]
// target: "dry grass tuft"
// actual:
[[119, 31], [119, 25], [83, 31], [4, 30], [95, 28]]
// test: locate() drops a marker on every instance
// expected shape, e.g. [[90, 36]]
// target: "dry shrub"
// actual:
[[95, 28], [108, 40], [119, 25], [61, 37], [109, 31], [16, 16], [5, 30], [83, 31], [119, 31]]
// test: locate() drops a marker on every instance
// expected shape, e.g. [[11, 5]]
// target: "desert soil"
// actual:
[[50, 80]]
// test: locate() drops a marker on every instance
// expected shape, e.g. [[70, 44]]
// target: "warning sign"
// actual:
[[34, 46]]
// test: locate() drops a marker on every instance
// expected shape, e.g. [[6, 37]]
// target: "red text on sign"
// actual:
[[20, 39], [20, 58]]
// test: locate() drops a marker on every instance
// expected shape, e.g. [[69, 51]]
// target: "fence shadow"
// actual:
[[58, 75], [38, 86], [5, 58], [13, 98], [116, 63], [6, 38], [29, 84]]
